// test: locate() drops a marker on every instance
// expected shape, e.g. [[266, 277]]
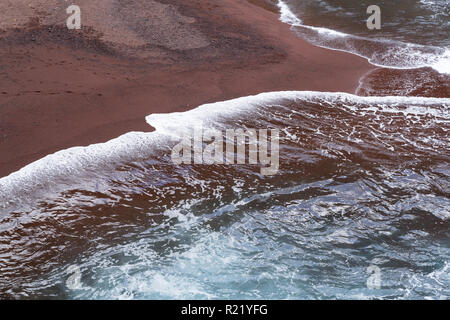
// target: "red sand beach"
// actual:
[[62, 88]]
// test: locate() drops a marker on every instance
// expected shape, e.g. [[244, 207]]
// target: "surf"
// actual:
[[353, 172], [379, 52]]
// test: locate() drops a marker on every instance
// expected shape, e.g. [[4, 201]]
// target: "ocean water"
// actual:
[[413, 34], [414, 38], [363, 181], [363, 185]]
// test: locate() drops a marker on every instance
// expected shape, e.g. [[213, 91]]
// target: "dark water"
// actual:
[[414, 35], [363, 187], [423, 22], [363, 182]]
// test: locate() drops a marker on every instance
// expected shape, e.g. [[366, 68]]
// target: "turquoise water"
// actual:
[[363, 183]]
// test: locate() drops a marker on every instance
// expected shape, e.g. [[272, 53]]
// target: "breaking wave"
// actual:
[[363, 181]]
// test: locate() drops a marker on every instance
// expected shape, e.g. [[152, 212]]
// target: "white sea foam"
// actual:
[[328, 32], [171, 124], [59, 168], [442, 64], [82, 164], [287, 16], [395, 54]]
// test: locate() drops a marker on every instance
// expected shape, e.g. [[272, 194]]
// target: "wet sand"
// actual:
[[61, 88]]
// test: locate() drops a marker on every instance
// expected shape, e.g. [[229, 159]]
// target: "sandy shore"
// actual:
[[62, 88]]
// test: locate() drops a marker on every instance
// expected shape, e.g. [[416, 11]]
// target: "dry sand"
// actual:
[[61, 88]]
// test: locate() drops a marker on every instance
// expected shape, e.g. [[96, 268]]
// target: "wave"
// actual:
[[366, 173], [362, 181], [59, 170], [379, 52]]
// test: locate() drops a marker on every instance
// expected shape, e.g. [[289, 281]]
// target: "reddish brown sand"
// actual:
[[61, 88]]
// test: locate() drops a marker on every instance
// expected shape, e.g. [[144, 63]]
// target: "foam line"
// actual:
[[418, 55], [60, 168]]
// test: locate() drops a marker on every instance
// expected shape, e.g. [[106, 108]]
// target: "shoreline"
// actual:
[[62, 89]]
